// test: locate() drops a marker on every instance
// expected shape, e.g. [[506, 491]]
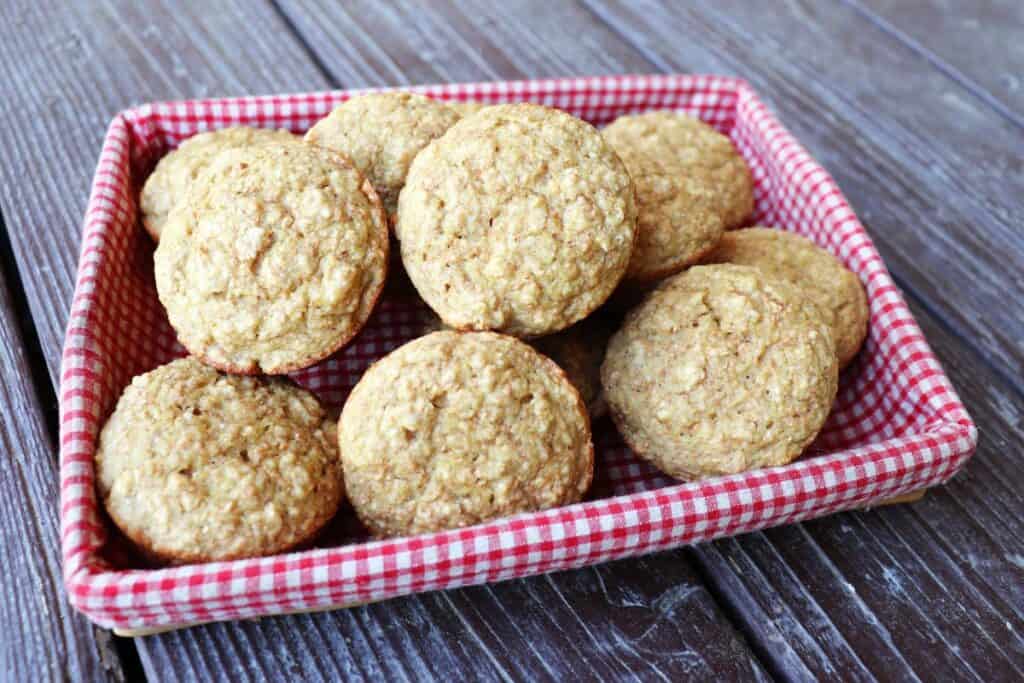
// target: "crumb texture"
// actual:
[[721, 369], [174, 174], [274, 260], [691, 185], [519, 219], [382, 133], [197, 466], [454, 429], [836, 291]]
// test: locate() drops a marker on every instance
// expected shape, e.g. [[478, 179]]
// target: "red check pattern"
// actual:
[[898, 425]]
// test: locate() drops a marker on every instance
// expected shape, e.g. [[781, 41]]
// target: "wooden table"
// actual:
[[916, 108]]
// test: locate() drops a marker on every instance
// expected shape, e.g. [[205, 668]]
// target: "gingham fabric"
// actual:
[[898, 425]]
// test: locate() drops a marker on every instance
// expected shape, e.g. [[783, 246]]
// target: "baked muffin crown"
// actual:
[[520, 219]]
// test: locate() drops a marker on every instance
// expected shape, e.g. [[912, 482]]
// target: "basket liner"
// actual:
[[897, 425]]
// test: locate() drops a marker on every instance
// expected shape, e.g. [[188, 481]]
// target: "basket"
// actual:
[[897, 425]]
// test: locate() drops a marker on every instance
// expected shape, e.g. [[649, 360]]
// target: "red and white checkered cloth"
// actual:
[[898, 425]]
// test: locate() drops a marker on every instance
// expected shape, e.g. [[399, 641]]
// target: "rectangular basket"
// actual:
[[897, 425]]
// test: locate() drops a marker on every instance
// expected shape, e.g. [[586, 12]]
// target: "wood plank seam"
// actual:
[[41, 384], [311, 54], [726, 604], [938, 62], [110, 653]]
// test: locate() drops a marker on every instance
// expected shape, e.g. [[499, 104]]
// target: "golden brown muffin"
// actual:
[[457, 428], [382, 133], [274, 260], [169, 182], [519, 219], [721, 369], [691, 185], [197, 466], [836, 291]]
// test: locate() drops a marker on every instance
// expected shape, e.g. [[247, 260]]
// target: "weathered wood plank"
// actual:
[[979, 44], [363, 43], [939, 197], [648, 619], [44, 638], [809, 607]]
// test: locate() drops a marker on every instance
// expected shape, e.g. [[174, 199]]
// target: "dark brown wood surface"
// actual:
[[916, 109], [41, 636]]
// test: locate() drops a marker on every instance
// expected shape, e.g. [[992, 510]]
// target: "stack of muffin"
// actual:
[[527, 232]]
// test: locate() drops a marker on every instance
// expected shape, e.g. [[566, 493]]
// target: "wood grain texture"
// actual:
[[43, 639], [978, 44], [649, 619], [366, 43], [809, 607]]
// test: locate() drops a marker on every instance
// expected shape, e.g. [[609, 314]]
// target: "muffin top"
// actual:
[[577, 350], [274, 260], [382, 133], [836, 291], [457, 428], [169, 182], [691, 184], [721, 369], [197, 466], [519, 219]]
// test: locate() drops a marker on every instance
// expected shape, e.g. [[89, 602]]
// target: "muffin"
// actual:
[[274, 260], [170, 180], [197, 466], [458, 428], [691, 185], [519, 219], [720, 370], [382, 133], [836, 291]]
